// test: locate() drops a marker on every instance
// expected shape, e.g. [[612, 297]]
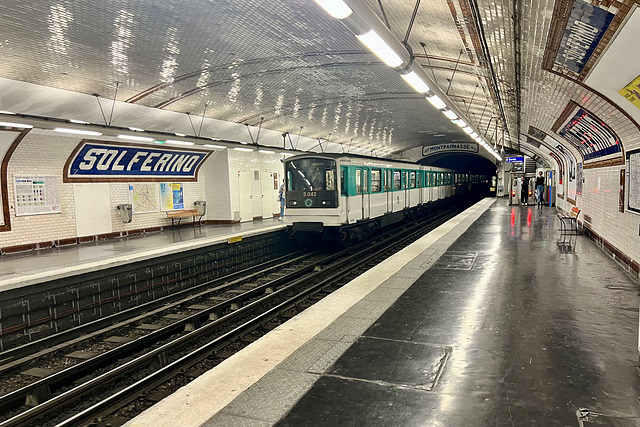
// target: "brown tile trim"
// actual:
[[573, 202], [560, 196], [45, 245], [108, 235], [86, 239], [616, 254], [220, 221], [65, 242], [604, 163], [5, 179], [18, 248], [257, 218]]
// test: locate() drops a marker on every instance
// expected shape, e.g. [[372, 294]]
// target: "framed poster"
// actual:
[[633, 183], [37, 195], [143, 197], [171, 196]]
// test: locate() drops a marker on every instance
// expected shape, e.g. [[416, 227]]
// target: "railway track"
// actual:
[[244, 309]]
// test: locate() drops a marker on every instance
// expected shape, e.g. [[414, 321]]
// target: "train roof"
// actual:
[[351, 156]]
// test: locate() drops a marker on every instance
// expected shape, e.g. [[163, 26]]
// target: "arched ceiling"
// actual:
[[293, 68]]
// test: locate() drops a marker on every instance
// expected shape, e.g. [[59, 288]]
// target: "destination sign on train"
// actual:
[[98, 161]]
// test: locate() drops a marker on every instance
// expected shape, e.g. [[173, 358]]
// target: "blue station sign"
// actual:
[[517, 159], [100, 161]]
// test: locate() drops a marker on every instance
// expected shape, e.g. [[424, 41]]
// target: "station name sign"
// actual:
[[518, 159], [460, 147], [585, 28], [100, 161]]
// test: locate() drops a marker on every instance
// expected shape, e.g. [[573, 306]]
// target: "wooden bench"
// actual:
[[569, 222], [184, 213]]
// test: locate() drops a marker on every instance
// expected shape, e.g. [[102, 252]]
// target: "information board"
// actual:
[[171, 196], [633, 185], [144, 198], [37, 195]]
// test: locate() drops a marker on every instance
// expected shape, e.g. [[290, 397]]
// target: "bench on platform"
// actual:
[[569, 222], [184, 213]]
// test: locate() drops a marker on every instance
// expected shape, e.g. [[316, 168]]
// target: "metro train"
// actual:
[[349, 198]]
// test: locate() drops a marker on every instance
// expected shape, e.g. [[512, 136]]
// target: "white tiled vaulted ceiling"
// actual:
[[289, 65]]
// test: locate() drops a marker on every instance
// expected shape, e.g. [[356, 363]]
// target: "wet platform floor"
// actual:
[[507, 328]]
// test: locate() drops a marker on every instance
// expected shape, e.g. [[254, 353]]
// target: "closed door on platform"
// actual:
[[93, 213], [268, 195], [244, 196]]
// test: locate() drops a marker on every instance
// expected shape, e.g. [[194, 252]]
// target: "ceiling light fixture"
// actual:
[[242, 149], [450, 114], [179, 134], [336, 8], [173, 141], [15, 125], [416, 82], [267, 151], [467, 129], [460, 123], [436, 102], [7, 112], [380, 48], [136, 138], [77, 131], [136, 129], [80, 122], [214, 146]]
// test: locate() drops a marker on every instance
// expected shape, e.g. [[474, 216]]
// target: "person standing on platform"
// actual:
[[524, 190], [540, 189], [281, 200]]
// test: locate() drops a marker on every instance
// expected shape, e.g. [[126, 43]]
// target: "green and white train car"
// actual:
[[349, 197]]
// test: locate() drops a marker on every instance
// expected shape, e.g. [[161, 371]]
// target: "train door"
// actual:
[[245, 198], [269, 198], [388, 189], [407, 191], [355, 200], [398, 195], [366, 198]]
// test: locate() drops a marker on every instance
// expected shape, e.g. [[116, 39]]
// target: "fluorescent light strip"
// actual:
[[450, 114], [136, 129], [80, 122], [436, 102], [460, 123], [336, 8], [15, 125], [136, 138], [267, 151], [7, 112], [473, 135], [214, 146], [467, 129], [179, 134], [380, 48], [416, 82], [215, 139], [173, 141], [77, 131], [242, 149]]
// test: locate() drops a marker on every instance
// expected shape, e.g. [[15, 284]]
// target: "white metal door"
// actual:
[[268, 195], [366, 198], [244, 196], [388, 189]]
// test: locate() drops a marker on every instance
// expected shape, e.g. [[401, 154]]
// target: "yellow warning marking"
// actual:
[[234, 239]]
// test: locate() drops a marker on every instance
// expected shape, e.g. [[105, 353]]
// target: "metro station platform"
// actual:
[[486, 321], [23, 269]]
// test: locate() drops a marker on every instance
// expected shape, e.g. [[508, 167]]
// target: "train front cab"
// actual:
[[312, 196]]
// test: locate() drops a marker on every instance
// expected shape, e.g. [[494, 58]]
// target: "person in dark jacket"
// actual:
[[524, 190], [540, 189]]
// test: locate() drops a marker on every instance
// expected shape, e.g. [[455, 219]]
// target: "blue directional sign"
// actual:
[[518, 159]]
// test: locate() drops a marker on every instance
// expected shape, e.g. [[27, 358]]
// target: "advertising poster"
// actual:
[[171, 196], [632, 92], [37, 195]]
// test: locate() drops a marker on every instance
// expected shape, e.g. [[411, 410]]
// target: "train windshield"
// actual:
[[311, 174]]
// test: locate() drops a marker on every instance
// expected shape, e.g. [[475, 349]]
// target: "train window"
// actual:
[[365, 180], [412, 180], [419, 179], [330, 179], [310, 174], [343, 181], [358, 181], [397, 182], [375, 180]]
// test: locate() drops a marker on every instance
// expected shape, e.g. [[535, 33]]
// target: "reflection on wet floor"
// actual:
[[540, 334]]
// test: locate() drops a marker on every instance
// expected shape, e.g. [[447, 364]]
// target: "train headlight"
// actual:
[[326, 203], [293, 202]]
